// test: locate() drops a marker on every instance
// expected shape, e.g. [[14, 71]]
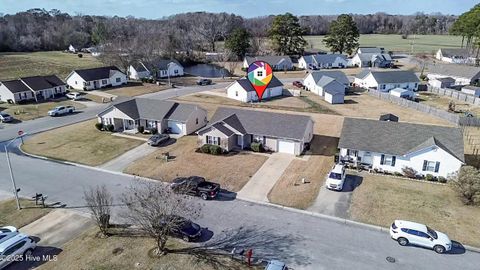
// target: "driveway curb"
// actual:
[[268, 204]]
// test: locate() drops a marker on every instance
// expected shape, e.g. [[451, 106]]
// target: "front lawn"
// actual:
[[381, 199], [31, 111], [136, 89], [10, 216], [81, 143], [232, 172]]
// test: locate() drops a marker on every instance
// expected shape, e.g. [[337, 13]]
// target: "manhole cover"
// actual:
[[390, 259]]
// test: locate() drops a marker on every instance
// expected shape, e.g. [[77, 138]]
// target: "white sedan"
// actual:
[[73, 95], [407, 232]]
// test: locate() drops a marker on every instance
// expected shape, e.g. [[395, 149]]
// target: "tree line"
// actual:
[[468, 26], [38, 29]]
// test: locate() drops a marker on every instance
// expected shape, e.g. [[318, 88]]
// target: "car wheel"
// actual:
[[204, 196], [402, 241], [439, 249], [186, 238], [27, 253]]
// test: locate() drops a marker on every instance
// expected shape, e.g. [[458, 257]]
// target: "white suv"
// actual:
[[407, 232], [17, 248], [336, 177]]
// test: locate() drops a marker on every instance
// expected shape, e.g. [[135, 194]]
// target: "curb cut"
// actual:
[[268, 204]]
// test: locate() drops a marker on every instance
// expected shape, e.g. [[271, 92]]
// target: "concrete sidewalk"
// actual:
[[118, 164], [265, 178]]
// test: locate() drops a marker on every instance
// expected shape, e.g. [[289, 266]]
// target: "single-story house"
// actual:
[[463, 74], [441, 82], [96, 78], [242, 90], [178, 118], [387, 80], [278, 132], [319, 81], [277, 62], [457, 56], [392, 146], [161, 68], [32, 88], [317, 61], [402, 93], [471, 90], [372, 57]]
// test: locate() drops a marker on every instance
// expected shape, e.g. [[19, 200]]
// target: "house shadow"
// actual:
[[352, 182], [322, 145], [349, 101]]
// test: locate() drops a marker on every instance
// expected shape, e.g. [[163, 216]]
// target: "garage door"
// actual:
[[286, 147], [175, 127]]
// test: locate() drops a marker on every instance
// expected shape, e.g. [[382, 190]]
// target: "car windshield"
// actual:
[[335, 176], [432, 232], [4, 114]]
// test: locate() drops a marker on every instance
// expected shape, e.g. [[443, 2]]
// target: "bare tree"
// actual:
[[158, 211], [99, 201]]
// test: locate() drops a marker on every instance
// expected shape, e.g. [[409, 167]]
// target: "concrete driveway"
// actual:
[[265, 178], [336, 203], [118, 164]]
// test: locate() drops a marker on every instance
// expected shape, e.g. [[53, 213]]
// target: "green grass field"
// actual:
[[421, 43], [14, 65]]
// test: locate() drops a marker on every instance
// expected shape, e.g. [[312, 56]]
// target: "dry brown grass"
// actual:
[[136, 89], [289, 190], [381, 199], [31, 111], [81, 143], [10, 216], [122, 252], [441, 102], [232, 172]]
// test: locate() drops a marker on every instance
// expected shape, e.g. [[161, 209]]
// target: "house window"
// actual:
[[258, 139], [151, 124], [76, 82], [236, 93], [431, 166], [117, 80], [260, 73], [176, 71], [382, 86], [196, 121], [213, 140], [104, 81], [388, 160]]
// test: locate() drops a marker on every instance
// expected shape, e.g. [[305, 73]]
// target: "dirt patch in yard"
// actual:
[[232, 172], [81, 143], [381, 199]]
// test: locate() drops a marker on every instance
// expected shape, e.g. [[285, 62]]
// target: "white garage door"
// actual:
[[286, 147], [175, 127]]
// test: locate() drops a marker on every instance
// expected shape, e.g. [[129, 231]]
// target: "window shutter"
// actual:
[[394, 158], [382, 159], [437, 166], [424, 165], [348, 152]]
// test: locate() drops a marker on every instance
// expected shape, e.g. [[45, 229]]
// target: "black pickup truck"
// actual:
[[195, 185]]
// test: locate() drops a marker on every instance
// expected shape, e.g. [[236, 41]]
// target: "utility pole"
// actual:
[[12, 177]]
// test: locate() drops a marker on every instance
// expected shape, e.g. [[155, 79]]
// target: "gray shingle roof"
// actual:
[[451, 52], [42, 82], [272, 60], [16, 86], [247, 85], [334, 74], [370, 50], [276, 125], [398, 76], [396, 138], [93, 74], [454, 70], [323, 58]]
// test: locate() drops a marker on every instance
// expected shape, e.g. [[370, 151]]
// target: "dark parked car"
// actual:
[[158, 139], [186, 229], [5, 117], [196, 186], [298, 84], [204, 82]]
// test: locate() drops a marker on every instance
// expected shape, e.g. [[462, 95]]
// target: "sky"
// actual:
[[153, 9]]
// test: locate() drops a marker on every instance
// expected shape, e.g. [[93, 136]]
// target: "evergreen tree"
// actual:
[[238, 42], [343, 35], [286, 35]]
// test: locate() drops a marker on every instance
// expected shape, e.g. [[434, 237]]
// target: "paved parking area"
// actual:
[[336, 203]]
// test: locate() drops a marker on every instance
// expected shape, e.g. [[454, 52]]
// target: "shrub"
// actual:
[[80, 55], [154, 131], [140, 129], [466, 182], [205, 148], [215, 149], [256, 147], [99, 126], [409, 172], [442, 179], [110, 128], [397, 174], [423, 77], [429, 177]]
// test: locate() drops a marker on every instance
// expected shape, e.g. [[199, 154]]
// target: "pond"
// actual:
[[207, 71]]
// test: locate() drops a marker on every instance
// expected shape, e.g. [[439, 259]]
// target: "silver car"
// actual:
[[158, 139], [5, 117]]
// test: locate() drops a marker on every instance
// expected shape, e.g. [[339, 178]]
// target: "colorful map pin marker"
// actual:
[[260, 74]]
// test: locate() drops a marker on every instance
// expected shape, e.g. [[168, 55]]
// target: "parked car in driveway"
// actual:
[[196, 186], [276, 265], [5, 117], [7, 232], [407, 232], [158, 139], [74, 95], [204, 82], [298, 84], [61, 110], [16, 248], [336, 178]]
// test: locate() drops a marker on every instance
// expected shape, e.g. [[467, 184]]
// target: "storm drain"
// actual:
[[390, 259]]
